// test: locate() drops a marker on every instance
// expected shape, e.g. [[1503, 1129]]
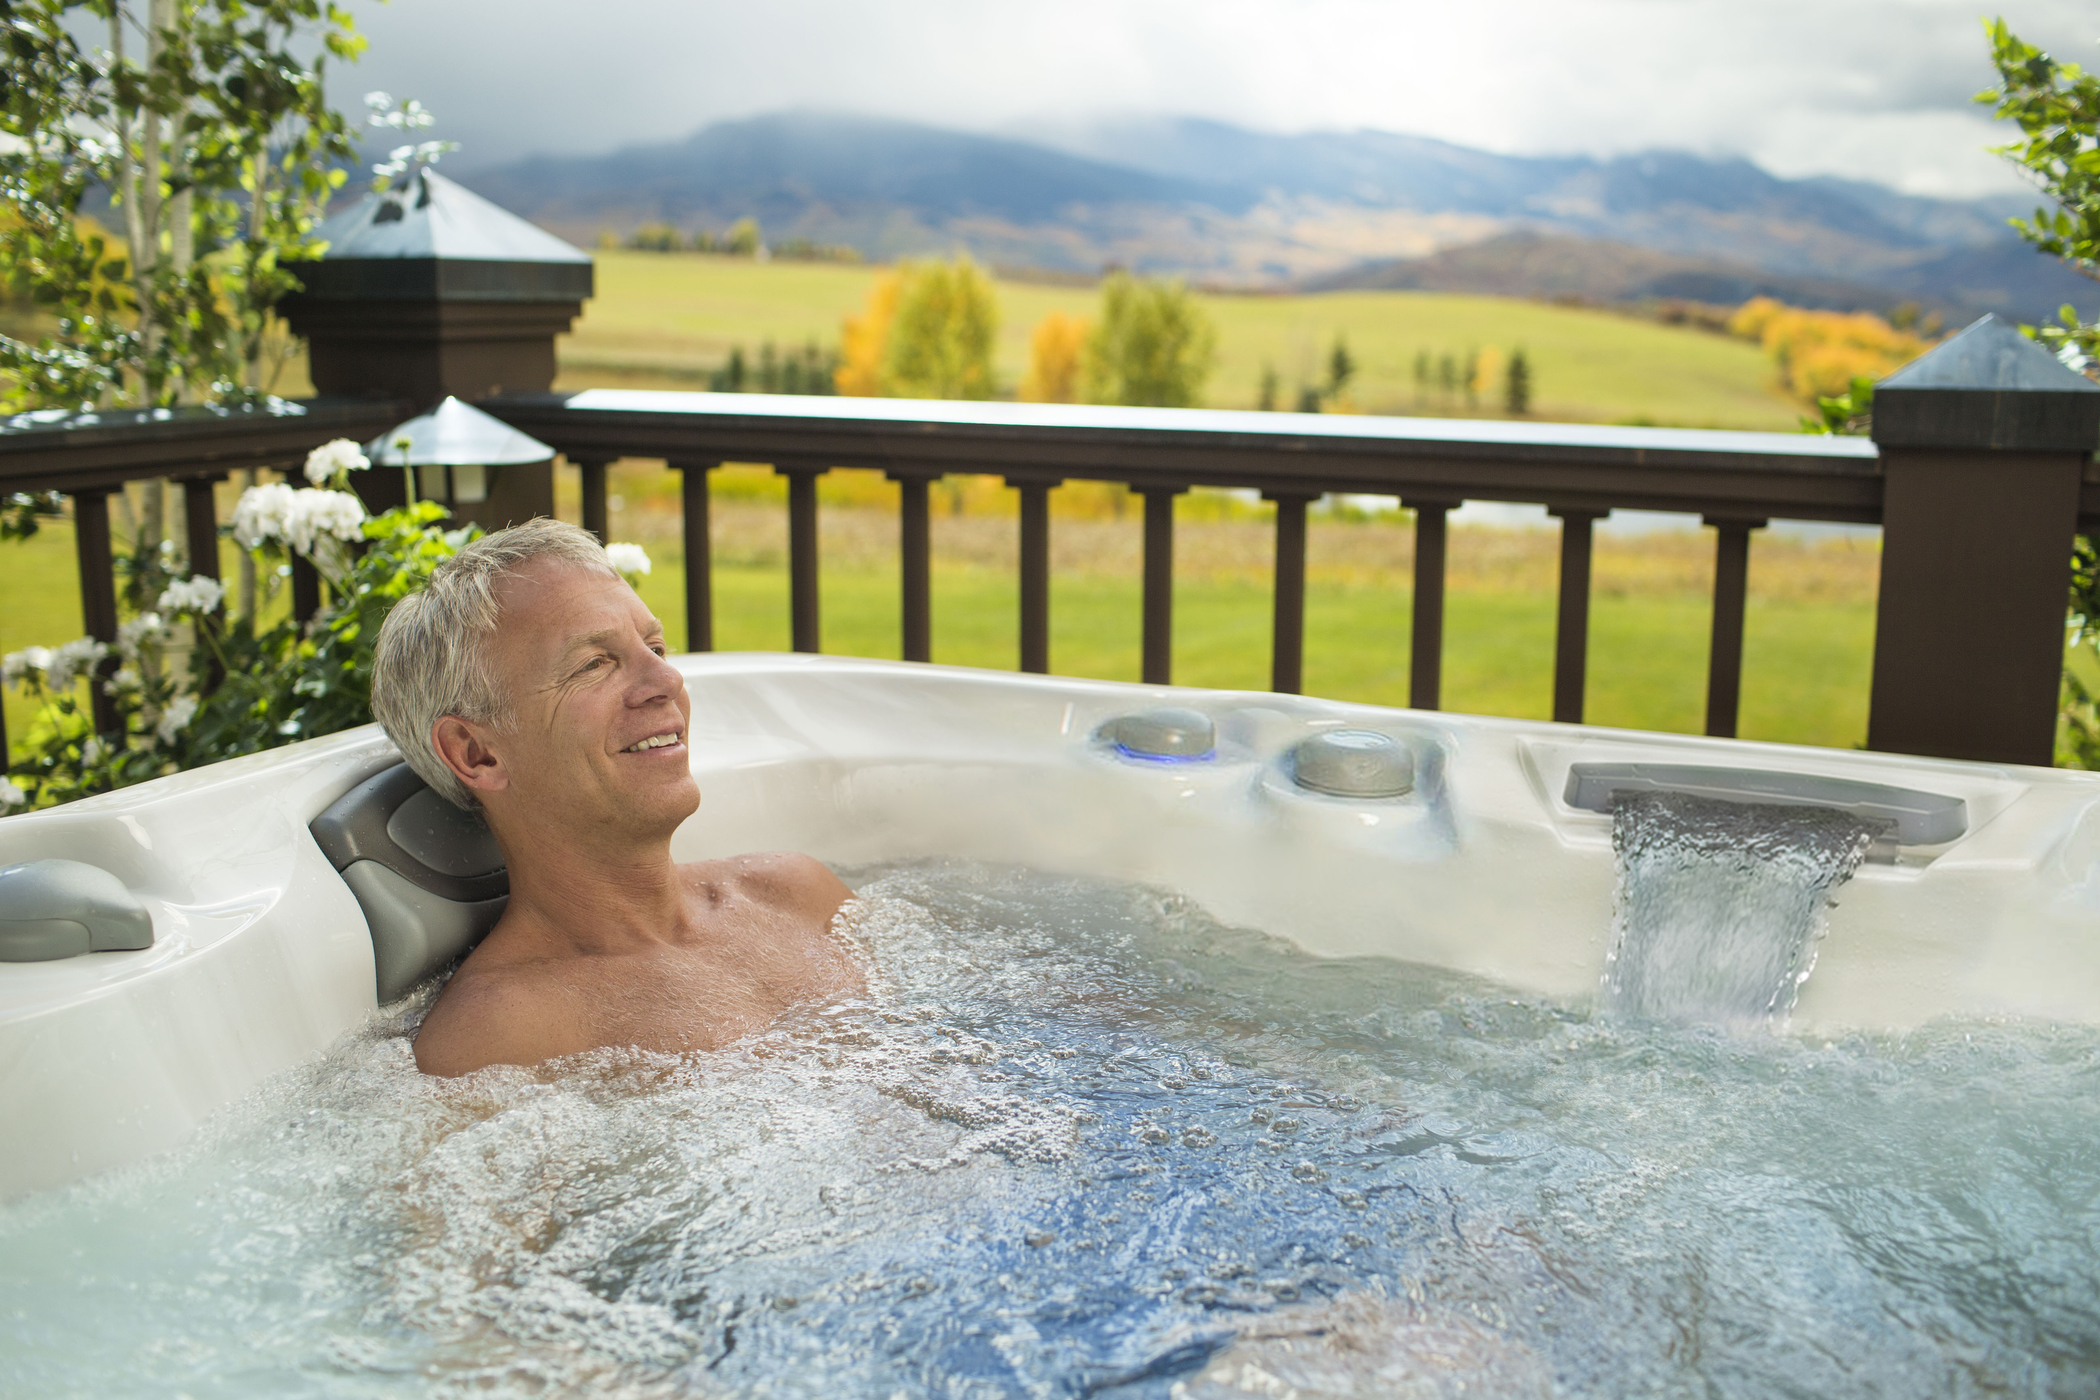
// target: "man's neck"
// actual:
[[592, 896]]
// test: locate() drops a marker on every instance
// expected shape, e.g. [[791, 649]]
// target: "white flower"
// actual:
[[317, 513], [75, 659], [93, 752], [262, 514], [177, 718], [28, 662], [146, 628], [124, 678], [627, 558], [296, 518], [198, 593], [342, 455], [11, 796]]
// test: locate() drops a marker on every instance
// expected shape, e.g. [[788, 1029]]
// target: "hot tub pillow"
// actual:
[[429, 876]]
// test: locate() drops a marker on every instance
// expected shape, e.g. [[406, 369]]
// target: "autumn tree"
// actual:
[[1054, 351], [1153, 344], [940, 340], [865, 339]]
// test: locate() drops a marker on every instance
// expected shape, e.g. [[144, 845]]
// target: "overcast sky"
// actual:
[[1874, 89]]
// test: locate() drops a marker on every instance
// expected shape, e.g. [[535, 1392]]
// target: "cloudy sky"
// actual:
[[1874, 89]]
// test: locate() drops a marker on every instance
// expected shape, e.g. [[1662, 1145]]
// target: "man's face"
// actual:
[[596, 738]]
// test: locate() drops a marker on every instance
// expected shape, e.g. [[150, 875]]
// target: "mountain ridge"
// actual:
[[1232, 207]]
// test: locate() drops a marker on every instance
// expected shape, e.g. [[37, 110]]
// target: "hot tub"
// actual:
[[1212, 1037], [1484, 865]]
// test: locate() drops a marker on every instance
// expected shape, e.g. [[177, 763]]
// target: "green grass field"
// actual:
[[664, 320]]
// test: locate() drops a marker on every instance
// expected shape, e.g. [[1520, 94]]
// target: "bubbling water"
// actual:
[[1720, 904], [1081, 1140]]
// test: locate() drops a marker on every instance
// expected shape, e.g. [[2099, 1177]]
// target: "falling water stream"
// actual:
[[1720, 904]]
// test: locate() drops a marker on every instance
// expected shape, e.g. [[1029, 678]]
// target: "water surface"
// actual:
[[1081, 1140]]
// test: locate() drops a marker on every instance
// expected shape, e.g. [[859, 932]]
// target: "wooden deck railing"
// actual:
[[1979, 494], [1736, 481]]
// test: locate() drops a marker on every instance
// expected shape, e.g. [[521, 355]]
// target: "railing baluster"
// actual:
[[306, 589], [200, 525], [98, 590], [1035, 575], [699, 557], [1724, 665], [1571, 641], [1158, 642], [594, 507], [1287, 659], [802, 555], [915, 559], [1425, 660]]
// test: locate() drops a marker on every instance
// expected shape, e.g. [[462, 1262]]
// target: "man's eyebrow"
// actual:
[[602, 638]]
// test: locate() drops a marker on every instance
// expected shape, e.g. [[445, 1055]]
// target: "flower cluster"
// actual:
[[197, 594], [278, 514], [53, 668], [145, 630], [629, 560], [333, 461]]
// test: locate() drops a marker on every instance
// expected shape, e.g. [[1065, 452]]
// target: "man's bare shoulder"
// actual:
[[787, 881], [498, 1013]]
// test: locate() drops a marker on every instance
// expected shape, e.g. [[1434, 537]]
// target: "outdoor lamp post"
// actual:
[[483, 470]]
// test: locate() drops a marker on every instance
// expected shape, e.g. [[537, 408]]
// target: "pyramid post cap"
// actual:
[[1988, 387], [1989, 354]]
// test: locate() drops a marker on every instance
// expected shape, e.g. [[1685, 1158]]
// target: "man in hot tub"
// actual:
[[528, 680]]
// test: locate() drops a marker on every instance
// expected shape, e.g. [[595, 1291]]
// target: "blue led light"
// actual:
[[1166, 757]]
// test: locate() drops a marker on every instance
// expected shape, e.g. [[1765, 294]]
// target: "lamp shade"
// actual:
[[455, 434]]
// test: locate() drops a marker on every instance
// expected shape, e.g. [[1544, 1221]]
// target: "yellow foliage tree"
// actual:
[[1819, 353], [866, 337], [1154, 345], [1054, 351], [940, 341]]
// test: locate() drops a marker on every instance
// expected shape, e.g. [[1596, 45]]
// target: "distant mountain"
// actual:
[[1547, 266], [1225, 205]]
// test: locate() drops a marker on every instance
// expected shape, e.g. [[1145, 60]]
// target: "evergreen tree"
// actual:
[[1517, 384]]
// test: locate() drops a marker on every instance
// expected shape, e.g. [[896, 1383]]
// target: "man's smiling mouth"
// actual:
[[654, 741]]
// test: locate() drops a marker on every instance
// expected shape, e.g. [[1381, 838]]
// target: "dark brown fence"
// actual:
[[1979, 479]]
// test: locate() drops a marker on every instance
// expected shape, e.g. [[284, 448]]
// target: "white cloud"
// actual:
[[1874, 89]]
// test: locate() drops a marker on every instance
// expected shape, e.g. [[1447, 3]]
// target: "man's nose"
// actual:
[[657, 678]]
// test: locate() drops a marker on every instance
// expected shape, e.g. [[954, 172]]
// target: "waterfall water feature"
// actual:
[[1720, 904]]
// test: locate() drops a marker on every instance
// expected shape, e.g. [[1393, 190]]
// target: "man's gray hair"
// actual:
[[433, 654]]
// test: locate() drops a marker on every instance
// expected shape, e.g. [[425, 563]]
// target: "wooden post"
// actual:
[[1425, 660], [915, 558], [98, 592], [1158, 664], [1035, 575], [802, 555], [1724, 657], [1287, 657], [594, 499], [1984, 441], [1571, 638], [699, 557]]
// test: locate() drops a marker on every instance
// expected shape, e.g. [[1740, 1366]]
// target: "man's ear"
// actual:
[[465, 748]]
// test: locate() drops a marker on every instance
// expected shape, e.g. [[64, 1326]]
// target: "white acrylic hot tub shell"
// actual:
[[262, 957]]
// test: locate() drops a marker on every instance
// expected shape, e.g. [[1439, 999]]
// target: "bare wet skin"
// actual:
[[1078, 1139], [757, 941]]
